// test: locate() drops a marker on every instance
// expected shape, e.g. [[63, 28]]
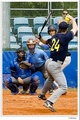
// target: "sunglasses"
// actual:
[[65, 13]]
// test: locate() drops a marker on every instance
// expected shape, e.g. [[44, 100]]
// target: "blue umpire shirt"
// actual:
[[38, 58]]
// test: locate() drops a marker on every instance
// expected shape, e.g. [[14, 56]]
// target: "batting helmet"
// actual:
[[51, 27]]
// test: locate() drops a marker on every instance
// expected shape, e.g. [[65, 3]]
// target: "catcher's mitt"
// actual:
[[24, 65]]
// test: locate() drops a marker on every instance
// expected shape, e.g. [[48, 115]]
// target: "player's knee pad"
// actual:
[[8, 83], [13, 88], [7, 79], [35, 80]]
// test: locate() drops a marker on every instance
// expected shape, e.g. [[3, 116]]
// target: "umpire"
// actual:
[[59, 47], [36, 57]]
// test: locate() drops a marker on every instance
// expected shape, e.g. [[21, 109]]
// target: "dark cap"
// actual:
[[63, 25], [20, 50]]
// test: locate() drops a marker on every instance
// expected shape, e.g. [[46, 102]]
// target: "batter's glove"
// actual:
[[38, 36], [24, 65]]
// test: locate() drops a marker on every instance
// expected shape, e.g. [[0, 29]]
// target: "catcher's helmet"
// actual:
[[20, 56], [31, 41], [20, 50], [51, 27]]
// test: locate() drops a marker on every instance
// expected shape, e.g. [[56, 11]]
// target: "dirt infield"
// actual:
[[31, 105]]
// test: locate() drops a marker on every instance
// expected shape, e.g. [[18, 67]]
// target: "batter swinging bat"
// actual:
[[45, 22]]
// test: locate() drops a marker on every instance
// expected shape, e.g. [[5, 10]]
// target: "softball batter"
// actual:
[[59, 47], [52, 31]]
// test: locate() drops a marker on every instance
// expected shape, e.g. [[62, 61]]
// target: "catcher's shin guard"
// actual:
[[33, 89], [8, 83], [13, 88], [34, 84]]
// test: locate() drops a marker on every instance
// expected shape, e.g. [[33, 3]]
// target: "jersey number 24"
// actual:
[[55, 45]]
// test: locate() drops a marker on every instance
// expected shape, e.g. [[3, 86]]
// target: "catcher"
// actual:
[[22, 75]]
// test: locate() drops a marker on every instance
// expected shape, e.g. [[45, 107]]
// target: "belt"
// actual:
[[40, 66], [58, 61]]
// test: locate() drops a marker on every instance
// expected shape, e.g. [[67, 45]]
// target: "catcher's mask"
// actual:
[[31, 44], [20, 54], [52, 28]]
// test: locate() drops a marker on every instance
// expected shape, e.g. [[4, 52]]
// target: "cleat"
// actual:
[[14, 93], [49, 105], [42, 97], [14, 90]]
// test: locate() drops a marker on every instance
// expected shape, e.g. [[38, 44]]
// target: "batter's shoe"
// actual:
[[48, 104], [42, 97]]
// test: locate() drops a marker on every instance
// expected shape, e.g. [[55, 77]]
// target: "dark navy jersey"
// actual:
[[59, 45]]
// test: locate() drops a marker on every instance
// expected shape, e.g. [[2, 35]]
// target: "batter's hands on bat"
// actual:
[[38, 36], [37, 40]]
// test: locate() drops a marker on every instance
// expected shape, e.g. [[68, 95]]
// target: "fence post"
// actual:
[[5, 24]]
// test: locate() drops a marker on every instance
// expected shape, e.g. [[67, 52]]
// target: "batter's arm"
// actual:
[[43, 41]]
